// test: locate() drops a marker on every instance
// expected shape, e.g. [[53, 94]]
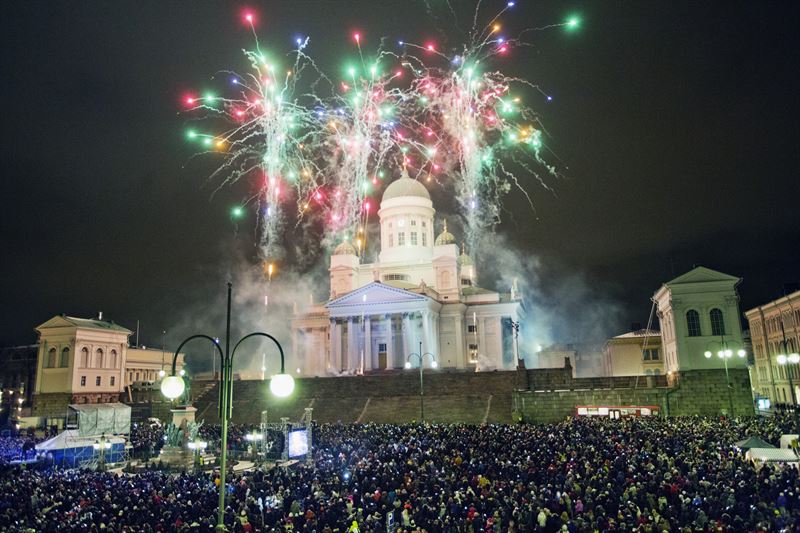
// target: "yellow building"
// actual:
[[775, 331], [636, 353], [85, 360]]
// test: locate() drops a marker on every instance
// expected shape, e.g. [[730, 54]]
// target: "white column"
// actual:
[[335, 362], [435, 347], [426, 335], [300, 355], [367, 343], [406, 340], [390, 341], [461, 353], [352, 344]]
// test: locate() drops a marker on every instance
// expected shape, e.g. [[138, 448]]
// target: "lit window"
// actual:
[[413, 238], [717, 322], [83, 381], [693, 323]]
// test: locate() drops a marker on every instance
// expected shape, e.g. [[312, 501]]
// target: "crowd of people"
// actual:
[[580, 475]]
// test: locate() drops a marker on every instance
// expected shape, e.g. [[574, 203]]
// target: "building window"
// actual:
[[98, 358], [113, 361], [473, 347], [395, 277], [84, 357], [113, 380], [424, 238], [137, 376], [466, 282], [64, 363], [413, 238], [401, 238], [650, 354], [381, 347], [50, 362], [693, 323], [130, 377], [717, 322], [413, 222], [472, 328], [424, 224], [83, 381], [391, 240], [97, 381]]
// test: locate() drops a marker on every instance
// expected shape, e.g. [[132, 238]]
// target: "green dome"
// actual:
[[405, 186], [345, 248]]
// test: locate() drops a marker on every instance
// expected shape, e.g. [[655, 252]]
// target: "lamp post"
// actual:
[[173, 386], [197, 447], [725, 353], [787, 358], [434, 364], [101, 446]]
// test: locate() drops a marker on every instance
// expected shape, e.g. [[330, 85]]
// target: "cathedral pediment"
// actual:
[[376, 293]]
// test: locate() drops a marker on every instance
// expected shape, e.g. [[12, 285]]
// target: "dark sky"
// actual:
[[676, 125]]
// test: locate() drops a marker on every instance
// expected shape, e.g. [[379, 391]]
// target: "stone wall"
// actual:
[[694, 392], [51, 404]]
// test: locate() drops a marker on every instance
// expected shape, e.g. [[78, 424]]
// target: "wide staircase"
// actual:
[[450, 397]]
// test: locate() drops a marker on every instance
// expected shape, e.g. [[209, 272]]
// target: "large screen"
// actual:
[[298, 443]]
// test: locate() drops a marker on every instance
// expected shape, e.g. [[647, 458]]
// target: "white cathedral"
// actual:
[[421, 295]]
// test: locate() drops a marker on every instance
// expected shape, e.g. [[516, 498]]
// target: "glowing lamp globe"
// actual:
[[782, 359], [281, 385], [172, 387], [794, 358], [434, 365], [161, 373], [741, 353], [408, 364], [707, 354]]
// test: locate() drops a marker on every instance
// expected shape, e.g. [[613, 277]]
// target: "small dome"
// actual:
[[405, 186], [445, 237], [345, 248], [464, 259]]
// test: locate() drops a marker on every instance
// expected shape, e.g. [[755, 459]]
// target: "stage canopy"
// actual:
[[102, 419]]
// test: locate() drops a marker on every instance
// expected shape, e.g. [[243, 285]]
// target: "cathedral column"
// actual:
[[352, 344], [426, 334], [406, 340], [367, 343], [461, 353], [301, 357], [389, 341], [435, 347], [335, 362]]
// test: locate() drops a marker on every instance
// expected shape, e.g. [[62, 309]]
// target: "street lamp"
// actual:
[[197, 448], [101, 446], [173, 386], [725, 353], [791, 359], [434, 364]]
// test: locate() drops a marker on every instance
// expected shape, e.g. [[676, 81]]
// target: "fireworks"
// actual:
[[462, 125]]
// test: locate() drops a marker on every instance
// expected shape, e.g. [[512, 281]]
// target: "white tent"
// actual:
[[772, 455], [786, 440]]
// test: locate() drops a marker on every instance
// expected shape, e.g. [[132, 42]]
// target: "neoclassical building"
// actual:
[[699, 313], [422, 293]]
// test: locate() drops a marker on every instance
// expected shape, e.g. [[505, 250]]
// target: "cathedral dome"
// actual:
[[464, 259], [405, 186], [445, 237], [345, 248]]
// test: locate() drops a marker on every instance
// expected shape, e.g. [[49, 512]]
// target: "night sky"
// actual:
[[675, 125]]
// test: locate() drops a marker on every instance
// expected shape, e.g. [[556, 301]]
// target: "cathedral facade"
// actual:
[[420, 297]]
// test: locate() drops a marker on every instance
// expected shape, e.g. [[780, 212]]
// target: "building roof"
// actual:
[[702, 274], [405, 186], [84, 323], [639, 333]]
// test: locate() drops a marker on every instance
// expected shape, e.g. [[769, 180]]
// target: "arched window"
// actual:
[[64, 363], [693, 323], [98, 358], [84, 357], [113, 362], [717, 322], [51, 358]]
